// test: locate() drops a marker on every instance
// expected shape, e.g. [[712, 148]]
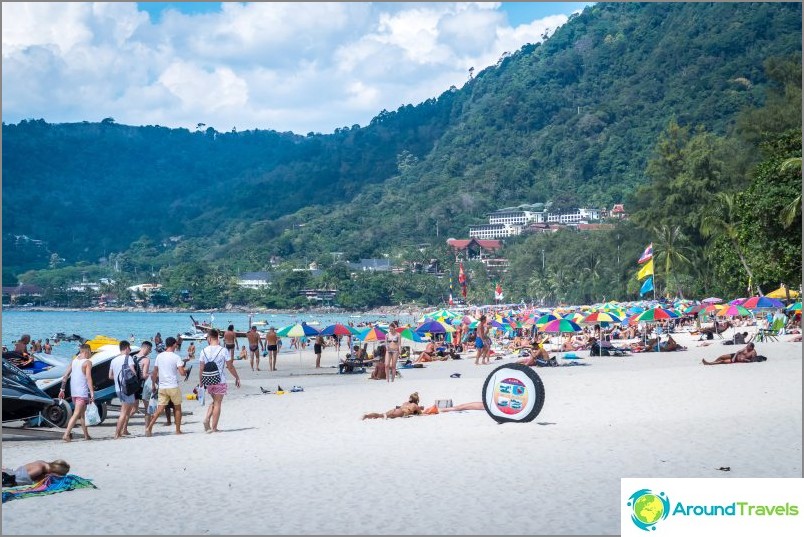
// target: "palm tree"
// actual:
[[671, 246], [721, 222], [792, 209]]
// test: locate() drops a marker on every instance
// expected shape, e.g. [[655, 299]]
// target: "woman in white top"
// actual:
[[391, 351], [82, 392]]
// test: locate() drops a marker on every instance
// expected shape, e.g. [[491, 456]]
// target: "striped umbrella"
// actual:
[[730, 310], [544, 319], [761, 302], [433, 327], [561, 326], [601, 317], [339, 329], [656, 314], [297, 330], [795, 307], [374, 333]]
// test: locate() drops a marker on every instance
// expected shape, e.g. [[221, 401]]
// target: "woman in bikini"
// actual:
[[392, 349], [411, 408]]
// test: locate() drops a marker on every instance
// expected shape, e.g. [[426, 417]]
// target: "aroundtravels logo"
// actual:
[[648, 508]]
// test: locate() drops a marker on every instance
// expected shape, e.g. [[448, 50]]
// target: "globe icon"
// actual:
[[648, 509]]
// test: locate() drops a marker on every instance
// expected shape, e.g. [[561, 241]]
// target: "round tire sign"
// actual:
[[513, 392]]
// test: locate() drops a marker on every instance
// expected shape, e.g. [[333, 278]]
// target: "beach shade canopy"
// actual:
[[375, 333], [339, 329], [795, 307], [544, 319], [433, 327], [297, 330], [761, 302], [738, 301], [656, 314], [410, 334], [782, 293], [561, 326], [693, 310], [601, 317], [730, 310], [712, 300]]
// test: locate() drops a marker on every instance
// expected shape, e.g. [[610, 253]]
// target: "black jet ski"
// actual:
[[22, 399]]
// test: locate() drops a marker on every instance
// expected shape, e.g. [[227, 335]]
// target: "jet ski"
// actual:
[[21, 397], [104, 349]]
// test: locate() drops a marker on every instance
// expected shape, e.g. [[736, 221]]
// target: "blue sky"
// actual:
[[301, 67]]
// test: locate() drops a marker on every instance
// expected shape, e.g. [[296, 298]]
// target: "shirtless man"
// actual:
[[535, 353], [271, 345], [480, 339], [748, 354], [230, 341], [255, 345], [411, 408]]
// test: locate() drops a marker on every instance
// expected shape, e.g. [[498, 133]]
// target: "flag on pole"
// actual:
[[646, 255], [462, 280], [647, 270], [647, 286], [498, 294]]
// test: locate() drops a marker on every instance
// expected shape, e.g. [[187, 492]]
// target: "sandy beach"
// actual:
[[306, 463]]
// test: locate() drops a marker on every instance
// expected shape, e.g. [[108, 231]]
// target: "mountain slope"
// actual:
[[573, 119]]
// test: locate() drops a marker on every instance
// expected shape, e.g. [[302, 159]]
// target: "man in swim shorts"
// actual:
[[254, 346], [480, 339], [230, 341], [272, 346]]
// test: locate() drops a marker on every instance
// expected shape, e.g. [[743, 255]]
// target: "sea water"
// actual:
[[141, 326]]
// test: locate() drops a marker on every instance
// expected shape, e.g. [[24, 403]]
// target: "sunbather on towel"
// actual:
[[30, 473], [748, 354], [410, 408]]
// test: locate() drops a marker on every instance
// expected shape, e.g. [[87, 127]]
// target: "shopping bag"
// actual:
[[92, 415]]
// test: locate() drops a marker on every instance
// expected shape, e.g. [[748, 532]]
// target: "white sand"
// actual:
[[306, 463]]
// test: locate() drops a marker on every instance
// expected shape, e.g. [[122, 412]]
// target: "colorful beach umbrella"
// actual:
[[712, 300], [601, 317], [656, 314], [730, 310], [339, 329], [761, 302], [795, 307], [374, 333], [560, 326], [544, 319], [433, 327], [297, 330]]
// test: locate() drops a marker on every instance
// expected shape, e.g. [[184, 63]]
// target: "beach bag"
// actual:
[[211, 374], [92, 415], [129, 383]]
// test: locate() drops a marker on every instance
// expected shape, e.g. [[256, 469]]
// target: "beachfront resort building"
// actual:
[[255, 280], [512, 221]]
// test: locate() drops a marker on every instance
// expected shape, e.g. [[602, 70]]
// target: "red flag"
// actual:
[[462, 280]]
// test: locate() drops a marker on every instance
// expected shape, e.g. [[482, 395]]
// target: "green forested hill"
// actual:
[[574, 119]]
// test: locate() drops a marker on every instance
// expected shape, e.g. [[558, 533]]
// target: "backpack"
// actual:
[[211, 374], [128, 379], [137, 367]]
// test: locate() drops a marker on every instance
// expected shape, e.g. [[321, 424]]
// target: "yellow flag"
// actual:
[[645, 271]]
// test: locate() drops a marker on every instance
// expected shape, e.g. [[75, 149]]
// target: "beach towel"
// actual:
[[51, 484]]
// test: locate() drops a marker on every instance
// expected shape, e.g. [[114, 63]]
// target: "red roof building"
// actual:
[[471, 249]]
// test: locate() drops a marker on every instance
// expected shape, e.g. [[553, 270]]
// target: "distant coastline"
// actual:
[[382, 310]]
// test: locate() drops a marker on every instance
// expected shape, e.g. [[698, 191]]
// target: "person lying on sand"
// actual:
[[427, 354], [748, 354], [477, 405], [410, 408], [30, 473]]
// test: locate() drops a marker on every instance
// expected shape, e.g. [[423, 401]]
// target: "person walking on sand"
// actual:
[[392, 350], [230, 340], [127, 402], [191, 351], [167, 368], [142, 365], [214, 354], [255, 345], [82, 392], [318, 348], [271, 345], [480, 339]]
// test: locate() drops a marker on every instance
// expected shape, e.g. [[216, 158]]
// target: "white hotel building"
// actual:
[[511, 221]]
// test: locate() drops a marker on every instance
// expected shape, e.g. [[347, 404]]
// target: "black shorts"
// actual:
[[317, 349], [230, 346], [272, 347]]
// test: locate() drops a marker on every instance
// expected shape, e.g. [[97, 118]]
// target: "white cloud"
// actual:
[[285, 66]]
